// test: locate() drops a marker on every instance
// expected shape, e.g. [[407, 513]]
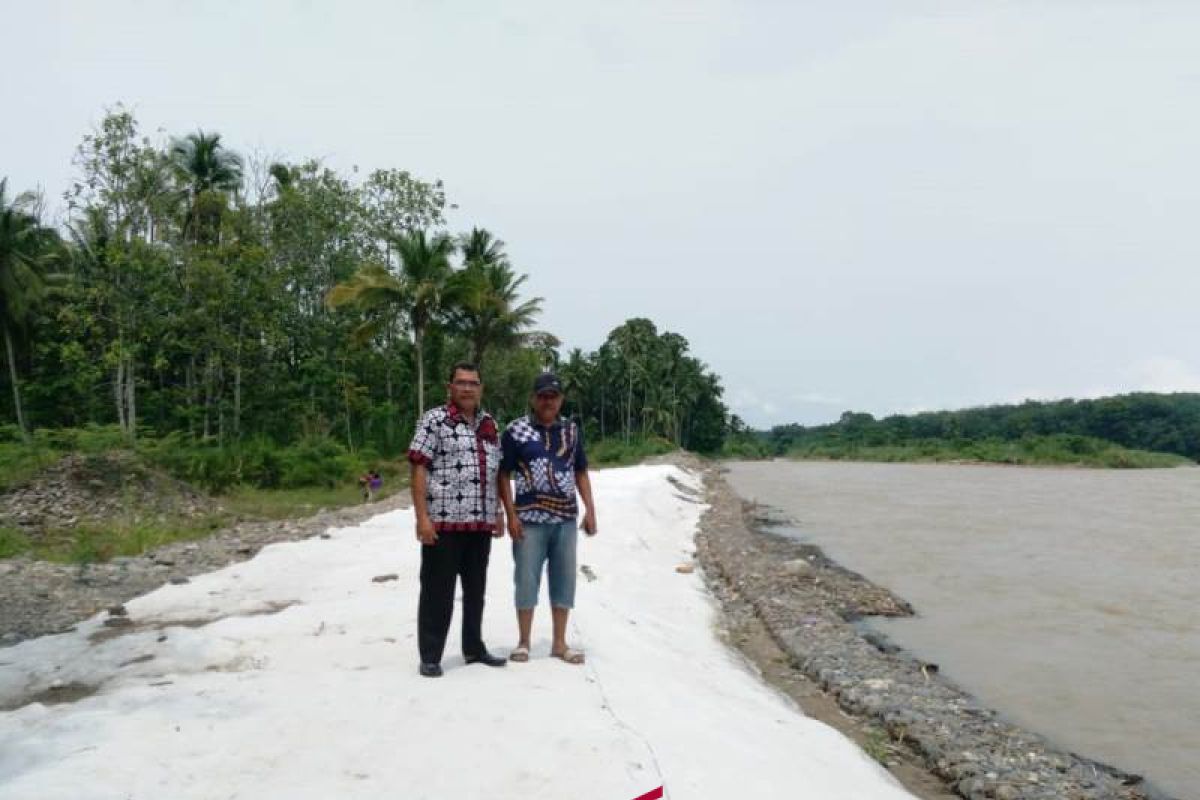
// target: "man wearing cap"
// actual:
[[544, 455], [455, 455]]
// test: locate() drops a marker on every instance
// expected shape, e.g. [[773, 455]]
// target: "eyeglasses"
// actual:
[[467, 384]]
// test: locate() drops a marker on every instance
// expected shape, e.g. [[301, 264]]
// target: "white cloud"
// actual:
[[818, 398], [1159, 373], [1166, 374], [749, 404]]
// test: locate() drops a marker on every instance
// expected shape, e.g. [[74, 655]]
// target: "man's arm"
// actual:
[[509, 461], [420, 478], [584, 485], [515, 529], [420, 455]]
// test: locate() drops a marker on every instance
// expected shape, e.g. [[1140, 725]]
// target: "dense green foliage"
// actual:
[[1127, 430], [279, 324], [642, 384], [617, 452]]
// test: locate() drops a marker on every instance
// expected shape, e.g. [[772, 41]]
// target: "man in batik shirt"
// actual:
[[455, 455], [544, 454]]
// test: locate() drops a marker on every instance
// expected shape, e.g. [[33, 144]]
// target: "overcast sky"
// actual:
[[879, 206]]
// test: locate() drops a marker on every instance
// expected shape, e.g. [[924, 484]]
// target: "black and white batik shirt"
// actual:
[[463, 460]]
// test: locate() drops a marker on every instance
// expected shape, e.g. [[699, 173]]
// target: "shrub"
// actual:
[[258, 462], [317, 461]]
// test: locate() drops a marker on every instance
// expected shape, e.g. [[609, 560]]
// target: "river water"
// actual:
[[1067, 599]]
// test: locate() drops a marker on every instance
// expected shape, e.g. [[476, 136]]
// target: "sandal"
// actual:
[[570, 656], [519, 653]]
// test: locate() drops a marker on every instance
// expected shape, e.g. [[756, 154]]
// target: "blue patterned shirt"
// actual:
[[543, 461]]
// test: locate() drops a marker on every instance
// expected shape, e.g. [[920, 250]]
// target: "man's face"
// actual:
[[547, 405], [466, 390]]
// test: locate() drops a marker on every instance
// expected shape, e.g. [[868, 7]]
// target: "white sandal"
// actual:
[[570, 656], [520, 653]]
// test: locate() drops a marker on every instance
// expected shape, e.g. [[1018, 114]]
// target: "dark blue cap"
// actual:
[[547, 382]]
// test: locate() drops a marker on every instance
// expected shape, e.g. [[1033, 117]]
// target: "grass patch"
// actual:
[[302, 479], [745, 448], [614, 452], [19, 462], [254, 503], [13, 542], [876, 744], [92, 541]]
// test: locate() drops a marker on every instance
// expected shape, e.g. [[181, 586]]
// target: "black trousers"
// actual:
[[453, 555]]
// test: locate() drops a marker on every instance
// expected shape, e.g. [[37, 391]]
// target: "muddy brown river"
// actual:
[[1067, 599]]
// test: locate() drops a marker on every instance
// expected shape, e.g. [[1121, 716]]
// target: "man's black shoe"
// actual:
[[486, 658], [431, 670]]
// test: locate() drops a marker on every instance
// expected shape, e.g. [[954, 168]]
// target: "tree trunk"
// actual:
[[629, 408], [237, 401], [191, 396], [390, 430], [131, 400], [419, 352], [674, 416], [207, 394], [346, 406], [237, 387], [219, 395], [119, 393], [16, 387]]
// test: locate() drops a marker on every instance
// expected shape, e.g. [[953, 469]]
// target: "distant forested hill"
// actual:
[[1160, 423]]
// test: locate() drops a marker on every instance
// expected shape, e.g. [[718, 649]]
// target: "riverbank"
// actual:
[[225, 684], [787, 607], [809, 606], [1036, 451]]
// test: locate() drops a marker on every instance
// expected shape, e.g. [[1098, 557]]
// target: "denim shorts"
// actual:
[[552, 542]]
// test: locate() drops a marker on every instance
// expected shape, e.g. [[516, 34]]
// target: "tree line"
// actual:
[[644, 383], [1163, 423], [197, 293]]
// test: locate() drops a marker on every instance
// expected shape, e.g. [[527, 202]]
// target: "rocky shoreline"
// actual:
[[809, 606], [43, 597]]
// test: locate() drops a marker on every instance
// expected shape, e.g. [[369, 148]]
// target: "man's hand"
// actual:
[[425, 532], [589, 523], [498, 531], [515, 529]]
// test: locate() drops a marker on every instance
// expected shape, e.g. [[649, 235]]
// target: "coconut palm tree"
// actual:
[[25, 249], [208, 171], [421, 292], [487, 308], [577, 375], [481, 247], [634, 343]]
